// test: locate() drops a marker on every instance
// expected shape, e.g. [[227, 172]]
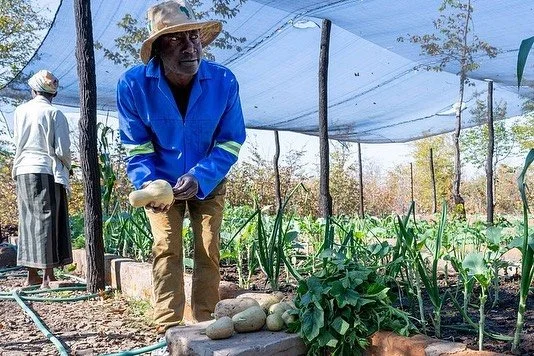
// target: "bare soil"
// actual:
[[500, 319], [97, 326], [114, 323]]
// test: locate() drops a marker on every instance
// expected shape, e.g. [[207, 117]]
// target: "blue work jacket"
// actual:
[[161, 144]]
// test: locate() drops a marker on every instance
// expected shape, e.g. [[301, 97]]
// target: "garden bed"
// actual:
[[118, 323]]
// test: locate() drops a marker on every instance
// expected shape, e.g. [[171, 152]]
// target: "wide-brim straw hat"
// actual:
[[176, 16]]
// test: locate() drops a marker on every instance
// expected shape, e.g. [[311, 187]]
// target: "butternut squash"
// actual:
[[158, 191], [230, 307], [223, 328], [249, 320]]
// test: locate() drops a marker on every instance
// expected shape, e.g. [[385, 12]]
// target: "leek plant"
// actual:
[[127, 233], [527, 250], [107, 171], [419, 272], [239, 246], [271, 242]]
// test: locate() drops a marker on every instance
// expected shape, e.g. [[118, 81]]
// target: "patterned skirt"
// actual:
[[44, 231]]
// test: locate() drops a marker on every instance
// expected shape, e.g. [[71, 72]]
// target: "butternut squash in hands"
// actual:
[[158, 192]]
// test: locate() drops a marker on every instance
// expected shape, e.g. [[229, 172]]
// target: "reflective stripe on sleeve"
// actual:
[[133, 150], [230, 146]]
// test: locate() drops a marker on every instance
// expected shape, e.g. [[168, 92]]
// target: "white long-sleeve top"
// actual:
[[41, 135]]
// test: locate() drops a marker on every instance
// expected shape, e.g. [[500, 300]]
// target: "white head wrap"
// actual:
[[43, 81]]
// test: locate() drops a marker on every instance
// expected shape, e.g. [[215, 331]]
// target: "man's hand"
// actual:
[[158, 208], [186, 187]]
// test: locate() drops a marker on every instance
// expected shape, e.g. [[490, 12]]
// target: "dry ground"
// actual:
[[97, 326]]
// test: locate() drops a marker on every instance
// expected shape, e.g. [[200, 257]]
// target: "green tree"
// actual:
[[524, 130], [475, 140], [443, 170], [6, 144], [126, 51], [20, 25], [454, 42], [344, 185]]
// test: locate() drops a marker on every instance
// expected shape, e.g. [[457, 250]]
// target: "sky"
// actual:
[[386, 156]]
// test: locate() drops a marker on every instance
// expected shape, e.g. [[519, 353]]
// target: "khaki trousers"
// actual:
[[168, 268]]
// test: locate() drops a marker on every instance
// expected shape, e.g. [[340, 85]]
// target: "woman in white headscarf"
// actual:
[[41, 169]]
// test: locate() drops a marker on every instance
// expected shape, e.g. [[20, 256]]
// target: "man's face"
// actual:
[[181, 52]]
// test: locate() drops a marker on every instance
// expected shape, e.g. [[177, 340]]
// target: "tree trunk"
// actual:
[[325, 200], [433, 178], [277, 190], [88, 149], [360, 171], [459, 202], [489, 159]]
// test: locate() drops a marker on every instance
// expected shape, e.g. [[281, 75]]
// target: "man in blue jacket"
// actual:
[[181, 121]]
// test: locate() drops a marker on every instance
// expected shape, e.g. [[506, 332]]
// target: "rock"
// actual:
[[8, 255], [229, 290], [61, 284]]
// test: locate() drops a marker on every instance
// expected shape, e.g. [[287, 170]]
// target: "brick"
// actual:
[[191, 340], [136, 279]]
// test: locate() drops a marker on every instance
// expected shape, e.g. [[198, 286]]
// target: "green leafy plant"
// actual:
[[527, 250], [21, 22], [126, 47], [416, 268], [239, 247], [271, 241], [477, 268], [522, 56], [342, 305]]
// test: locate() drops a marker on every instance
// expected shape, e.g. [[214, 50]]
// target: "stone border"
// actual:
[[134, 279], [386, 343], [191, 340]]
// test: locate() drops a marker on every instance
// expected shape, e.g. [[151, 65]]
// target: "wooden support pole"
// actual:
[[325, 200], [360, 173], [489, 158], [277, 189], [85, 57]]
